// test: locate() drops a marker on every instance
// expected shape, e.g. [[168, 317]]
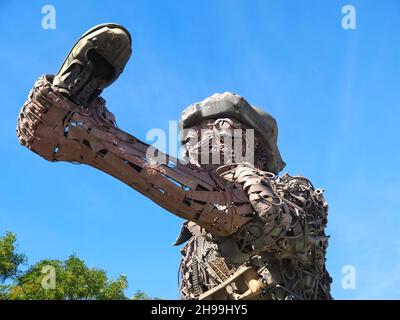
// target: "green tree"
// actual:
[[55, 279], [72, 280], [9, 259], [140, 295]]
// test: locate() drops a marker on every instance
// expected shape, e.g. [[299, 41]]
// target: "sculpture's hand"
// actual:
[[40, 127], [57, 129]]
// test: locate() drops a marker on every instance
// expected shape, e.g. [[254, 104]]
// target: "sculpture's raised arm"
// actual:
[[59, 130]]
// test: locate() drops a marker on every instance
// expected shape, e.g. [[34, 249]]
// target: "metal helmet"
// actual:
[[231, 105]]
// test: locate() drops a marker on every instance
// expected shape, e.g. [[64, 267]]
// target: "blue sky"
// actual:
[[334, 92]]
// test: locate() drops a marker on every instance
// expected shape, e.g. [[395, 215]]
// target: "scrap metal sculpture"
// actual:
[[249, 234]]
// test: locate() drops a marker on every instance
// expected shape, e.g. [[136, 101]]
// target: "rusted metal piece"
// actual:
[[284, 244], [59, 130], [234, 108]]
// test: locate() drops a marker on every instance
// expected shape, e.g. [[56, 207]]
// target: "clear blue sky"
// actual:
[[334, 92]]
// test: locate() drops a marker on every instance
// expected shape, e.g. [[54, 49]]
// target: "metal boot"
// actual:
[[96, 60]]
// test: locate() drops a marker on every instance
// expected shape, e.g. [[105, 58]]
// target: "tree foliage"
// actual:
[[55, 279], [9, 259], [73, 280]]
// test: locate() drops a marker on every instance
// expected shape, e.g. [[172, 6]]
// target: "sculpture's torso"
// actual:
[[284, 246]]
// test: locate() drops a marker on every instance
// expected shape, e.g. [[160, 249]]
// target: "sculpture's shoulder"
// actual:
[[300, 191]]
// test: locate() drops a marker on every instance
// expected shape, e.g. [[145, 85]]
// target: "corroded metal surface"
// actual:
[[60, 130], [284, 245]]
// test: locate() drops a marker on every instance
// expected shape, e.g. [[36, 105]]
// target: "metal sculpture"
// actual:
[[249, 234]]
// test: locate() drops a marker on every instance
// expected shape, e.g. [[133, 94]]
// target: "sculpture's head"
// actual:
[[208, 128]]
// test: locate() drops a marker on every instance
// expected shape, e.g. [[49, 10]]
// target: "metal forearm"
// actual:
[[59, 130]]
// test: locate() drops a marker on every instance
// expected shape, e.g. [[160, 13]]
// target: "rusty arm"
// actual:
[[59, 130]]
